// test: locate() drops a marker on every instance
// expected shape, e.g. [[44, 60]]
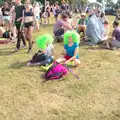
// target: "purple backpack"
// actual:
[[56, 71]]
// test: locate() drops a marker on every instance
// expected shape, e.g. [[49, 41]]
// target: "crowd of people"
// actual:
[[19, 21]]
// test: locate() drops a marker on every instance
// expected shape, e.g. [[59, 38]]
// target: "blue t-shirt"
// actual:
[[71, 50]]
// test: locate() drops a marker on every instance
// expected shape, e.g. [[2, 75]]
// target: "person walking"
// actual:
[[17, 20]]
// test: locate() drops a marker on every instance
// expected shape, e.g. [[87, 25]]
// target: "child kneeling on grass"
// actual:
[[45, 54], [71, 48]]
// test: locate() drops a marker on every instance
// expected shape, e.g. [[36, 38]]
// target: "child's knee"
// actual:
[[77, 62]]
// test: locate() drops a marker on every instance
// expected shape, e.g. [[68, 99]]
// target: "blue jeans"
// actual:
[[48, 60]]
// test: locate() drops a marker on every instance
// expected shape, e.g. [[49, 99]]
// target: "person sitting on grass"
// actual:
[[5, 34], [82, 23], [46, 54], [118, 14], [70, 56], [115, 43], [61, 26], [106, 33]]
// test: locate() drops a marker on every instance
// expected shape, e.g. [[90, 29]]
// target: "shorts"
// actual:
[[48, 14], [82, 28], [56, 15], [29, 24], [18, 25], [6, 18], [59, 32], [38, 17], [67, 57]]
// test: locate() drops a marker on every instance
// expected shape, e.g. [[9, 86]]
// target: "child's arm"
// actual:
[[108, 30], [23, 18], [63, 52]]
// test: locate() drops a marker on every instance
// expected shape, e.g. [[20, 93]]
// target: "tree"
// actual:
[[100, 1]]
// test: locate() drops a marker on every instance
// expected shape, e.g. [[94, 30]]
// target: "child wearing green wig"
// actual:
[[71, 48], [46, 47]]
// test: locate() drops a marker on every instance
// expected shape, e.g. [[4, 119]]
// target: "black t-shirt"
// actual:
[[19, 11], [63, 6], [5, 11]]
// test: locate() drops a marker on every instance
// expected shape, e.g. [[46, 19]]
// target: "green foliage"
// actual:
[[100, 1]]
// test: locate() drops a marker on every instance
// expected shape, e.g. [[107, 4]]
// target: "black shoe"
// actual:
[[29, 51]]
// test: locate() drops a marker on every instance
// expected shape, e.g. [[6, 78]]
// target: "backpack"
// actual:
[[38, 57], [56, 71]]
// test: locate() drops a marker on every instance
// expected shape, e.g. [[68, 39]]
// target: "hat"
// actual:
[[83, 14]]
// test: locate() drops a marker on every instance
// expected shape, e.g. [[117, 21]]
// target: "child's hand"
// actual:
[[66, 62]]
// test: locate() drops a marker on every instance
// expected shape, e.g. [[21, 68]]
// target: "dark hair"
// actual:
[[69, 14], [116, 23], [106, 22], [102, 15], [64, 15]]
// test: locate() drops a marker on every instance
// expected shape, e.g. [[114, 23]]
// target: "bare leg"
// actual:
[[61, 60]]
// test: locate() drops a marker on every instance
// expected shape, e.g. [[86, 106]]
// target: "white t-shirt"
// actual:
[[49, 50], [37, 11]]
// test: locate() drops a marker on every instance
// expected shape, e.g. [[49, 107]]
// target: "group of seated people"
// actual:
[[95, 28]]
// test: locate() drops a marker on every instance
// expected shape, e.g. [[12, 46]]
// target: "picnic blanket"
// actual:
[[4, 41], [95, 30]]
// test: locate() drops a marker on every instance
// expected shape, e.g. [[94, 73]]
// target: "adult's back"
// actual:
[[19, 11], [95, 29]]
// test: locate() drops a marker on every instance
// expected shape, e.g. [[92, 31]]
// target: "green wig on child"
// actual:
[[75, 36], [44, 40]]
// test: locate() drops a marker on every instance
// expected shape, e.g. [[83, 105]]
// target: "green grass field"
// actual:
[[23, 95]]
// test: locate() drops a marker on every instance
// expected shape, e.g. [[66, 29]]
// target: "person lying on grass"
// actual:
[[106, 33], [70, 56], [5, 34]]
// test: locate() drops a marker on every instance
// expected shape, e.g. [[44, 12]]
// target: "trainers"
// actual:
[[16, 49], [29, 51], [24, 46]]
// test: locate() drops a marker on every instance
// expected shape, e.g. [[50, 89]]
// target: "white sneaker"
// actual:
[[16, 49]]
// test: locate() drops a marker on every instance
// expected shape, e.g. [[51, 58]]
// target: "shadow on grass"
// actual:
[[98, 47], [18, 65], [5, 53]]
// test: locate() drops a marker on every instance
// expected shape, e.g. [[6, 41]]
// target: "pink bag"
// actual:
[[56, 71]]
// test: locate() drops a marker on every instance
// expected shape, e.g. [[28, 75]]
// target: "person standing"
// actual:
[[5, 14], [37, 14], [13, 28], [28, 20], [17, 20], [56, 11]]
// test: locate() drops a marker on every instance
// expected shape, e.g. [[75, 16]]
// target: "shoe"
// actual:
[[16, 49], [45, 68], [24, 46], [29, 51]]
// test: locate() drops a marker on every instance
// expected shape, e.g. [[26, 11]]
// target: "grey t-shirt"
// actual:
[[58, 26]]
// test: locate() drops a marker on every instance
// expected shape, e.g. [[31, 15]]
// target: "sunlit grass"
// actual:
[[96, 96]]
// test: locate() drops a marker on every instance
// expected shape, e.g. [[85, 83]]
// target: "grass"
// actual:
[[96, 96]]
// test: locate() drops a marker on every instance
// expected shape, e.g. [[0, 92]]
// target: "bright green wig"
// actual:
[[75, 36], [43, 40]]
